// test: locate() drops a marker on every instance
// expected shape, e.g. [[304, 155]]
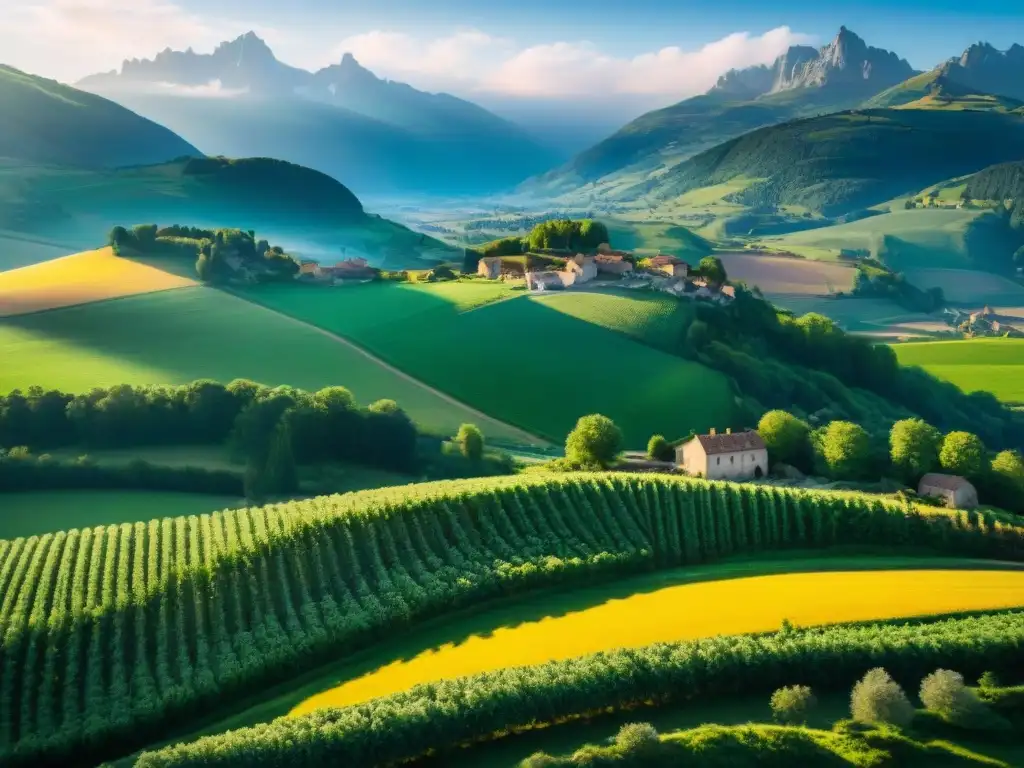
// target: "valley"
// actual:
[[347, 420]]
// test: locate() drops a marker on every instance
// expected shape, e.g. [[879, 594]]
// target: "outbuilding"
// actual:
[[955, 491]]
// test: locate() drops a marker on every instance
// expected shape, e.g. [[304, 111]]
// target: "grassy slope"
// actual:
[[36, 512], [45, 122], [80, 279], [849, 160], [453, 632], [806, 599], [518, 360], [178, 336], [994, 365]]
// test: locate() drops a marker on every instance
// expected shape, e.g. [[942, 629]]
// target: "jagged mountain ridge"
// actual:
[[375, 135], [800, 82]]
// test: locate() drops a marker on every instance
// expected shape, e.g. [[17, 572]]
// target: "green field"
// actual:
[[971, 287], [660, 236], [178, 336], [992, 365], [654, 318], [520, 360], [31, 513]]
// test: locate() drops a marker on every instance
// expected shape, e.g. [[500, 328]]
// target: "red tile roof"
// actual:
[[731, 443]]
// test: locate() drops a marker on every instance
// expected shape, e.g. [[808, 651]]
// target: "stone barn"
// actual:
[[956, 491]]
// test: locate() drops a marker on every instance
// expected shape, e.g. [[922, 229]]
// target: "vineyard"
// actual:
[[110, 635], [407, 725]]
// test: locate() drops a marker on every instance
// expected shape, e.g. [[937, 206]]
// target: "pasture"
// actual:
[[968, 287], [175, 337], [80, 279], [994, 365], [32, 513], [647, 237], [780, 275], [654, 318], [689, 612], [521, 361]]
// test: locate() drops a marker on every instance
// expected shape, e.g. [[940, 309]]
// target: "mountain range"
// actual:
[[373, 134]]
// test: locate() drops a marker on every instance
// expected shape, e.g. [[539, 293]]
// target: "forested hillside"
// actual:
[[42, 121]]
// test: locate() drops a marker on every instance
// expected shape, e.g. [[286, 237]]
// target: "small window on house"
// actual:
[[718, 460], [732, 459]]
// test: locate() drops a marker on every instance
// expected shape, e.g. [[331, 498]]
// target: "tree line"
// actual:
[[577, 235]]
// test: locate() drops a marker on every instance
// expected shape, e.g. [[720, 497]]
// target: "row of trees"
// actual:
[[843, 450], [404, 726], [159, 619], [322, 425]]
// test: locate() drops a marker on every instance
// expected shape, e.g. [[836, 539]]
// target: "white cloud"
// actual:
[[475, 61], [211, 90]]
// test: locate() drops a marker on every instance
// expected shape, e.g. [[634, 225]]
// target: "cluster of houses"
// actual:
[[348, 270], [740, 456], [984, 322], [663, 272]]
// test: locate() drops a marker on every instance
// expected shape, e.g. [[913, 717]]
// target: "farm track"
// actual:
[[525, 436]]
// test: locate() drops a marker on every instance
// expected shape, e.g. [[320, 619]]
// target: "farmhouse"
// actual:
[[309, 268], [740, 456], [954, 490], [580, 269], [350, 269], [544, 281], [489, 267], [670, 265], [612, 263]]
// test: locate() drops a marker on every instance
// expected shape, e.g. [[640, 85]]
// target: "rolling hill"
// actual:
[[842, 162], [938, 90], [803, 81], [374, 135], [306, 211], [45, 122]]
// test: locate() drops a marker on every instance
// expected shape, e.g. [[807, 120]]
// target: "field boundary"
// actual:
[[528, 438]]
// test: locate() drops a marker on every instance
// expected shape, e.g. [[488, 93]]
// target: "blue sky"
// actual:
[[642, 52]]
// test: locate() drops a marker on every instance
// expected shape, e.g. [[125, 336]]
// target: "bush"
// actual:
[[470, 441], [988, 680], [944, 693], [914, 447], [962, 454], [792, 704], [595, 441], [877, 698], [787, 438], [636, 737], [844, 450], [660, 449]]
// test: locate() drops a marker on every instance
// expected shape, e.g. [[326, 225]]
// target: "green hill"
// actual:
[[841, 162], [43, 121], [935, 90], [1003, 182], [307, 211]]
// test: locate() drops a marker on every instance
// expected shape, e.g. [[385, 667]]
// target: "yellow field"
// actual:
[[689, 611], [80, 279]]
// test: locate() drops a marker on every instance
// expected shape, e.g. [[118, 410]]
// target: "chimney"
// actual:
[[728, 430], [712, 432]]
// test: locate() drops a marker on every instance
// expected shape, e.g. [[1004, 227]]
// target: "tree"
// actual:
[[844, 450], [877, 698], [712, 269], [470, 441], [786, 437], [944, 693], [637, 737], [1010, 465], [792, 704], [384, 406], [145, 236], [659, 449], [914, 447], [118, 237], [962, 454], [595, 441]]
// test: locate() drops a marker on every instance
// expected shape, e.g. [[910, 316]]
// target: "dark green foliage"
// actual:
[[470, 441], [712, 269], [873, 279], [28, 473], [567, 234], [1002, 182], [787, 438], [506, 246], [914, 447], [660, 449], [843, 450], [410, 724], [44, 122]]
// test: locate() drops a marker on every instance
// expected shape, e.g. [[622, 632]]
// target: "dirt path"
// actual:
[[482, 417]]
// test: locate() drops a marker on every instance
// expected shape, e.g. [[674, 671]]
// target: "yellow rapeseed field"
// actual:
[[691, 611], [80, 279]]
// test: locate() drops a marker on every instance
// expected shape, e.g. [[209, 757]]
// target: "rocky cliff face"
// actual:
[[845, 62], [985, 69]]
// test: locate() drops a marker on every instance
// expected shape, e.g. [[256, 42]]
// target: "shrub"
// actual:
[[988, 680], [470, 441], [914, 447], [786, 437], [877, 698], [844, 450], [944, 693], [962, 454], [793, 703], [660, 449], [595, 441], [636, 737]]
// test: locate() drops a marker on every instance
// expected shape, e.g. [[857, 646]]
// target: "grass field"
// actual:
[[961, 286], [521, 360], [17, 250], [178, 336], [874, 317], [646, 237], [692, 611], [780, 275], [34, 512], [993, 365], [80, 279], [654, 318]]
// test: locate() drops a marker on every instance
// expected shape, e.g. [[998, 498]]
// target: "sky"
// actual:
[[637, 51]]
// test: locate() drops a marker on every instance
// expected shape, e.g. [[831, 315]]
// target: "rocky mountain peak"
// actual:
[[983, 68]]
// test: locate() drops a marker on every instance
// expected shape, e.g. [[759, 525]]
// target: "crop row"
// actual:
[[110, 635]]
